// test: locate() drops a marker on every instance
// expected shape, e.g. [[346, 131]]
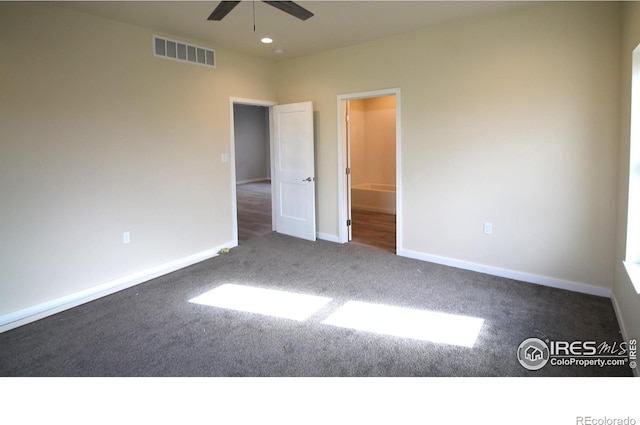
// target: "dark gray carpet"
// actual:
[[152, 329]]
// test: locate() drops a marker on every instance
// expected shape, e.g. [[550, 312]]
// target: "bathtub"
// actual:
[[374, 197]]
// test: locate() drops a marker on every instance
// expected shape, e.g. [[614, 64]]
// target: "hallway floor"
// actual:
[[254, 209], [374, 229]]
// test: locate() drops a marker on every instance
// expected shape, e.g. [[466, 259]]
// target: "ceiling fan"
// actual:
[[289, 7]]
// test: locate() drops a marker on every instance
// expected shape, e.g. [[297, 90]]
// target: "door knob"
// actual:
[[308, 179]]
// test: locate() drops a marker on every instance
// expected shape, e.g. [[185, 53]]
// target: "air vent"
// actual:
[[177, 50]]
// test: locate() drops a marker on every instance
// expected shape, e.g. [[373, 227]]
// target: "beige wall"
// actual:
[[624, 294], [99, 137], [510, 119]]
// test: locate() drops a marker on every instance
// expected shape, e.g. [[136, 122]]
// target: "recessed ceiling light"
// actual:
[[279, 51], [267, 40]]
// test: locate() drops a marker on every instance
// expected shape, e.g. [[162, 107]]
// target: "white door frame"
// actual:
[[343, 232], [232, 158]]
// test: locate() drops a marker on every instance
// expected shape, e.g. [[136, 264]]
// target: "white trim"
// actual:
[[40, 311], [343, 232], [622, 326], [328, 237], [619, 317], [252, 102], [633, 270], [510, 274], [632, 254], [232, 157]]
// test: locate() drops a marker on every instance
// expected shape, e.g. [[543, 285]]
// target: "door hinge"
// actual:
[[348, 171], [348, 222]]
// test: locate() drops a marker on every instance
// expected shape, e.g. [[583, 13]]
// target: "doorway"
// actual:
[[251, 144], [291, 165], [370, 145]]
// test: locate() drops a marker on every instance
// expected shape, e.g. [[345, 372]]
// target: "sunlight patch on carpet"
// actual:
[[407, 323], [268, 302]]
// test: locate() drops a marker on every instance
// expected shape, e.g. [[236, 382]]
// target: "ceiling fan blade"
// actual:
[[291, 8], [222, 10]]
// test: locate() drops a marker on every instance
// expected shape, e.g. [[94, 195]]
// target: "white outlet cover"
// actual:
[[225, 158]]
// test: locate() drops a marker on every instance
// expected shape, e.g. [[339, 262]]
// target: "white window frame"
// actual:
[[632, 257]]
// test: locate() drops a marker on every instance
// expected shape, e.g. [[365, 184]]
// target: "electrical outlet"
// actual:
[[225, 158], [126, 237], [488, 228]]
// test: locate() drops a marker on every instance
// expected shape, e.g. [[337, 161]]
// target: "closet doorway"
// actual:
[[370, 146]]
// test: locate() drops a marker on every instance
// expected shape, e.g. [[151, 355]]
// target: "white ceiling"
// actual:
[[335, 24]]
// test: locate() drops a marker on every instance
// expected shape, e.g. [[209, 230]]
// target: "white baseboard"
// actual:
[[327, 237], [40, 311], [619, 317], [623, 327], [510, 274]]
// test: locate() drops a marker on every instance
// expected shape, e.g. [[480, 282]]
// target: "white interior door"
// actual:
[[295, 193]]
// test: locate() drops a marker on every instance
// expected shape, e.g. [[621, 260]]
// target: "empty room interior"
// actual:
[[473, 185]]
